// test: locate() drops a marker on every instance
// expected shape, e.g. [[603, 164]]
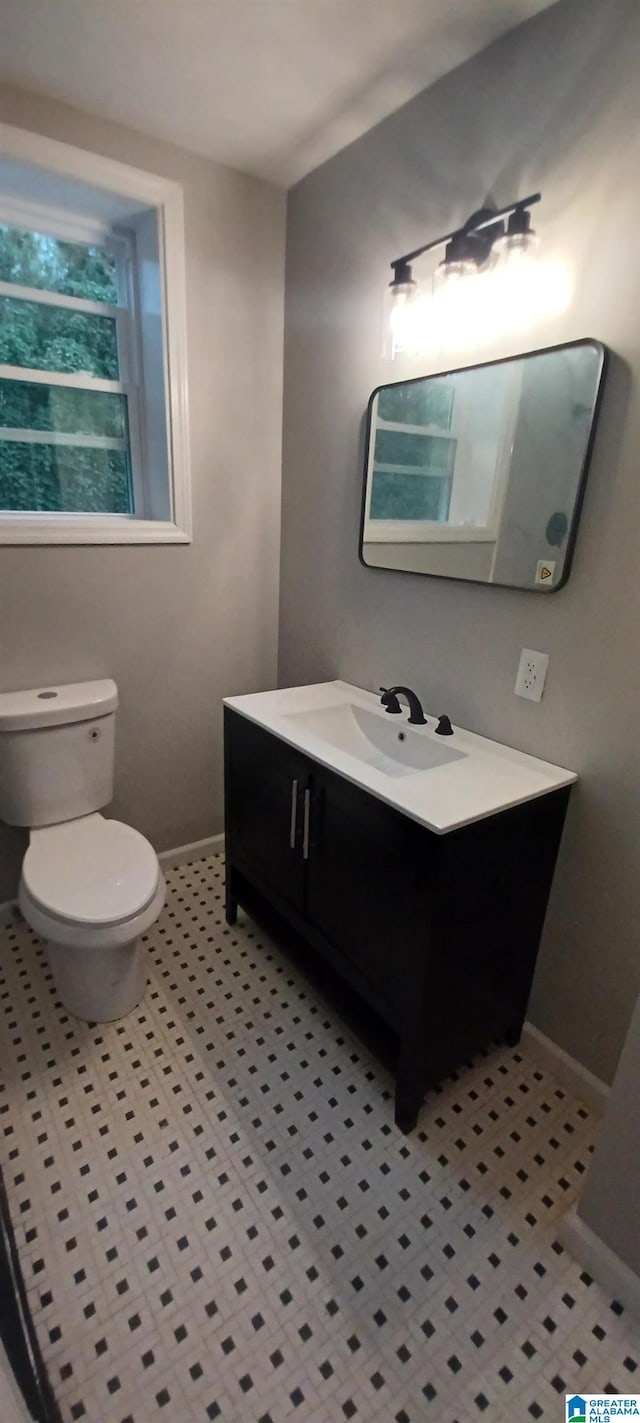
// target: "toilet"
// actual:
[[89, 886]]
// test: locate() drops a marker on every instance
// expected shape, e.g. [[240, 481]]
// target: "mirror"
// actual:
[[479, 473]]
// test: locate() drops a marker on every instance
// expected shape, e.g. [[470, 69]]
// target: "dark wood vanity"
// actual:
[[437, 933]]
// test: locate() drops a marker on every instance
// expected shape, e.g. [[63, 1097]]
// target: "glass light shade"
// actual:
[[455, 286], [515, 281], [449, 274], [516, 247], [399, 319]]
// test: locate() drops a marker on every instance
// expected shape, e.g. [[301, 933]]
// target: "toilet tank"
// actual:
[[56, 752]]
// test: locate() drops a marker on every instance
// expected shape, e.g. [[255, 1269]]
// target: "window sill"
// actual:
[[88, 529]]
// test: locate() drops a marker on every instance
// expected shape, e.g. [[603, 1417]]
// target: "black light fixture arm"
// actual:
[[483, 218]]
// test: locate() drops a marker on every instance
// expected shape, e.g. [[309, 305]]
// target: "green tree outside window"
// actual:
[[38, 336]]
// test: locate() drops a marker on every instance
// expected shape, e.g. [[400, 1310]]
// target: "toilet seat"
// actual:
[[90, 871]]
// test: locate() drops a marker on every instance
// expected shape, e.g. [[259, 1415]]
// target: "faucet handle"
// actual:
[[444, 727], [390, 701]]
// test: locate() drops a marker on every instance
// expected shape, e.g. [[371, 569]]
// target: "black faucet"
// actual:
[[389, 700]]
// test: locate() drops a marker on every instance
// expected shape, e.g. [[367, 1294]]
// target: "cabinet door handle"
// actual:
[[307, 812], [294, 815]]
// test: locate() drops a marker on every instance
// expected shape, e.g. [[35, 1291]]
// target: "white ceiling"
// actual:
[[273, 87]]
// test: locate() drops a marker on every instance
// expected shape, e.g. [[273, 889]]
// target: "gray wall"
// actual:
[[178, 627], [609, 1202], [555, 105]]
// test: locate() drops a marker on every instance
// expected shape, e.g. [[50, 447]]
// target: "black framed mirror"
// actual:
[[479, 473]]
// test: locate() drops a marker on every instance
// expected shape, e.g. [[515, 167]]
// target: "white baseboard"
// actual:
[[184, 854], [568, 1071], [619, 1281]]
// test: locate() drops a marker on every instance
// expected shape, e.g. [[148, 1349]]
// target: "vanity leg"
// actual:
[[409, 1095], [408, 1104], [514, 1033], [411, 1070], [230, 899]]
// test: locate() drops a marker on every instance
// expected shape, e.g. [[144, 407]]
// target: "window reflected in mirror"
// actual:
[[478, 473]]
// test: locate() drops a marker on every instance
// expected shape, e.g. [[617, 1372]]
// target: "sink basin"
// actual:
[[441, 782], [382, 741]]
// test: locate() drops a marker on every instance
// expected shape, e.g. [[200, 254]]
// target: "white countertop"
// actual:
[[487, 777]]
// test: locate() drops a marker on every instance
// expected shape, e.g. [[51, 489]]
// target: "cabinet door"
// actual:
[[368, 887], [265, 781]]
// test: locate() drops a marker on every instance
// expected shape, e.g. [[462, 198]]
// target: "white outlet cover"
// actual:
[[532, 671]]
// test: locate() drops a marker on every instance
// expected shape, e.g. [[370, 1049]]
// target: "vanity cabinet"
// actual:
[[267, 799], [438, 933], [366, 885]]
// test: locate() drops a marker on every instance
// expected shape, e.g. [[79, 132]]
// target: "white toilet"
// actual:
[[89, 886]]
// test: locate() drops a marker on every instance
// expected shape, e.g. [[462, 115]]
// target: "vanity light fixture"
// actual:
[[483, 248]]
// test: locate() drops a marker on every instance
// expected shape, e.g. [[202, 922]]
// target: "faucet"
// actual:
[[389, 700]]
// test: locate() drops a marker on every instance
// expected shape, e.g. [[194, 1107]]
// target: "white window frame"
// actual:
[[166, 198], [410, 531]]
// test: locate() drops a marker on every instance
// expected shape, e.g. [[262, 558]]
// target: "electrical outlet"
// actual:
[[532, 671]]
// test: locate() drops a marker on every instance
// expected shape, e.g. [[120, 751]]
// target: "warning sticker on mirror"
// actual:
[[545, 571]]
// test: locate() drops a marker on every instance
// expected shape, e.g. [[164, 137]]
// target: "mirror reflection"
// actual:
[[478, 473]]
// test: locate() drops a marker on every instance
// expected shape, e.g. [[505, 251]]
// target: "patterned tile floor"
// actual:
[[217, 1217]]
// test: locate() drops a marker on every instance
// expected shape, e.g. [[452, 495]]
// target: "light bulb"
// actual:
[[400, 303], [516, 247], [449, 274], [454, 293], [515, 284]]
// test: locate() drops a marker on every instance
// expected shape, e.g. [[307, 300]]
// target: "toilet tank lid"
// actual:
[[53, 706]]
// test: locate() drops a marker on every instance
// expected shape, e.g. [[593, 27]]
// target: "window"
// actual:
[[66, 398], [412, 461], [414, 454], [438, 458], [93, 438]]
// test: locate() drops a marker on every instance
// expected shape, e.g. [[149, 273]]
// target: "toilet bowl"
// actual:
[[90, 887]]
